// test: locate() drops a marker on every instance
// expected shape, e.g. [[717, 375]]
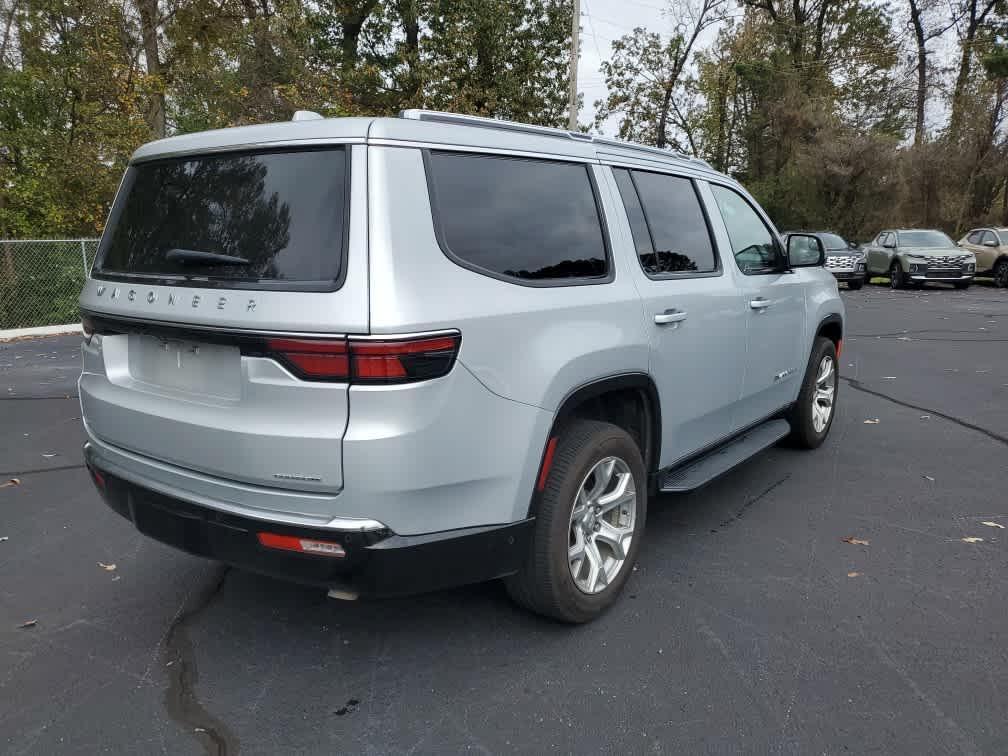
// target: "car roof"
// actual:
[[424, 128]]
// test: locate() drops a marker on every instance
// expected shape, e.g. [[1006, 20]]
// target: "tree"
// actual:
[[646, 73]]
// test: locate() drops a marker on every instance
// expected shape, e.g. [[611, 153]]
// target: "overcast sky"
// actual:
[[602, 21]]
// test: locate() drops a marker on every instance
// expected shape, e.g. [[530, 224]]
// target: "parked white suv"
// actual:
[[385, 355]]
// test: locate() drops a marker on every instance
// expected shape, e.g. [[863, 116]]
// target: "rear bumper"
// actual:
[[377, 561]]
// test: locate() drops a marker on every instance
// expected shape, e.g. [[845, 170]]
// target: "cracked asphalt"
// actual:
[[749, 625]]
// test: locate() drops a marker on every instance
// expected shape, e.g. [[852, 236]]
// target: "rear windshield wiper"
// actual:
[[205, 258]]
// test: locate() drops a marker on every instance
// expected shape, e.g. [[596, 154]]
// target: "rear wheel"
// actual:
[[812, 415], [1001, 274], [588, 526], [896, 280]]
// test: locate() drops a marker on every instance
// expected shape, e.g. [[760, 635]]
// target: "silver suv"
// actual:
[[387, 355]]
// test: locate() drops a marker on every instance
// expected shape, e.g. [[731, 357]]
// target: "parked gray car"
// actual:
[[386, 355], [915, 256]]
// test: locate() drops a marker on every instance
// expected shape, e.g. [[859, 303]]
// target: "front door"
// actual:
[[697, 332], [774, 306]]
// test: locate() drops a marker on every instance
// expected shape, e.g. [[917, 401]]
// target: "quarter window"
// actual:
[[668, 224], [753, 245], [533, 221], [975, 237]]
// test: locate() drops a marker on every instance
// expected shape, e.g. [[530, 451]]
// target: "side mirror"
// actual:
[[990, 243], [852, 245], [889, 245], [805, 251]]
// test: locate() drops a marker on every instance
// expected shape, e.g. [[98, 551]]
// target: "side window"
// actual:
[[988, 236], [534, 221], [975, 237], [883, 239], [753, 244], [635, 214], [679, 235]]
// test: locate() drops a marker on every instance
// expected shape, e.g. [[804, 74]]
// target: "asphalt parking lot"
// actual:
[[749, 624]]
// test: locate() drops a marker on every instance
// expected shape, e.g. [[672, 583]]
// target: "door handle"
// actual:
[[670, 316], [760, 303]]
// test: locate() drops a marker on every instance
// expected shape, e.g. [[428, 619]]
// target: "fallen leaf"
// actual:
[[49, 456], [928, 477], [853, 574], [855, 541], [888, 377], [988, 524], [116, 578], [4, 538], [28, 623], [971, 539], [925, 417], [11, 482], [107, 567], [872, 422]]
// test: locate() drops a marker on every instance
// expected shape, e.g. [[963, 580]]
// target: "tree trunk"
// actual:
[[353, 23], [663, 119], [918, 27], [409, 18], [149, 19]]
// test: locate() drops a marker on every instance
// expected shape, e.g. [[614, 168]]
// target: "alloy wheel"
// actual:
[[822, 396], [602, 525]]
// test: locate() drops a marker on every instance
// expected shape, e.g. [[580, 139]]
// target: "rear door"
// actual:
[[697, 332], [212, 273], [774, 307]]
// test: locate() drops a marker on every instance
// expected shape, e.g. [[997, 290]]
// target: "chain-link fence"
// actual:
[[40, 280]]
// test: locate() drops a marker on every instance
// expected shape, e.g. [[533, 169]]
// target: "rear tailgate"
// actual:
[[204, 259]]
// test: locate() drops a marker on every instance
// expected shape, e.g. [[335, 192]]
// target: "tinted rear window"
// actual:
[[283, 213], [531, 220]]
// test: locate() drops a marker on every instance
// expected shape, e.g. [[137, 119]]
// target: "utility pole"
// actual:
[[572, 122]]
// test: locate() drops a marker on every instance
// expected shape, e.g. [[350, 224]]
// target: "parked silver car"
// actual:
[[843, 259], [385, 355]]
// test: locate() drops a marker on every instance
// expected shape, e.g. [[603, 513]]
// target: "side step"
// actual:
[[696, 473]]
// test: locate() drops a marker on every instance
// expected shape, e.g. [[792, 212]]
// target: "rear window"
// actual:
[[242, 220], [533, 221]]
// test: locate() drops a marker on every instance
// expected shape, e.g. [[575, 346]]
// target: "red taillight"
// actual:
[[301, 545], [369, 361], [314, 360]]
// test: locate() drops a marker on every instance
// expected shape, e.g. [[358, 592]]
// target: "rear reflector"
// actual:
[[547, 463], [367, 361], [98, 478], [302, 545]]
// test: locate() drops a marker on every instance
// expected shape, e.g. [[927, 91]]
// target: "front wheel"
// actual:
[[1001, 274], [896, 276], [588, 527], [812, 415]]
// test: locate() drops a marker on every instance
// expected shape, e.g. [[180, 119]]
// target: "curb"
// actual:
[[53, 330]]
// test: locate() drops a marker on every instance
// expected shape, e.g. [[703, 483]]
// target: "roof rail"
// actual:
[[417, 114]]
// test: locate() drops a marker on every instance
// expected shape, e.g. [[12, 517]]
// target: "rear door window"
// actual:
[[529, 221], [241, 220], [667, 222]]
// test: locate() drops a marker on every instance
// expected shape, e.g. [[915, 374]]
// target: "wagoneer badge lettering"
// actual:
[[152, 296]]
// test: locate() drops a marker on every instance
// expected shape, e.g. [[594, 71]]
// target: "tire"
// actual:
[[806, 431], [896, 280], [962, 285], [1001, 274], [855, 285], [546, 582]]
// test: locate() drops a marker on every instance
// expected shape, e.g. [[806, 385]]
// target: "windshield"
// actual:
[[924, 239], [245, 220], [833, 242]]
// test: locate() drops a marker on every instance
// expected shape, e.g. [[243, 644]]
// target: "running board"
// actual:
[[694, 474]]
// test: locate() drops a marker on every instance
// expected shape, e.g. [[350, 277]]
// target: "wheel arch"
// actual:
[[831, 327], [629, 400]]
